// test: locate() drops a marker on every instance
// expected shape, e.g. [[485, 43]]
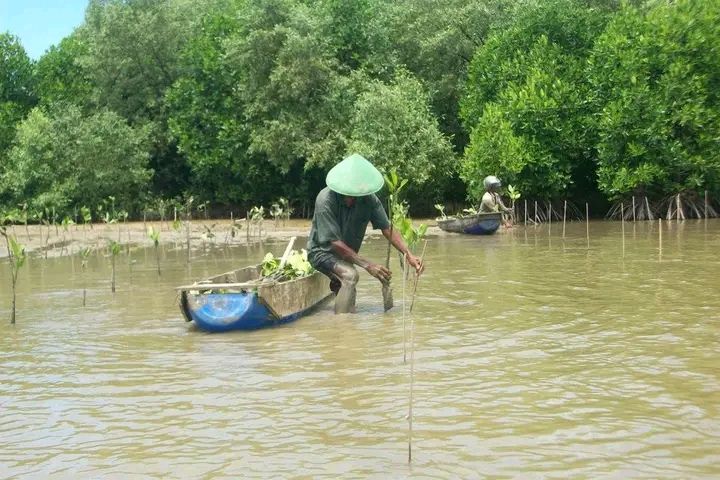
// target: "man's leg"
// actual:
[[348, 277]]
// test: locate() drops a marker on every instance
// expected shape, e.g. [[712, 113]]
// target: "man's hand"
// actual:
[[416, 263], [379, 272]]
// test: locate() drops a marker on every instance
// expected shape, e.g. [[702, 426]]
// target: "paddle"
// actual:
[[288, 249]]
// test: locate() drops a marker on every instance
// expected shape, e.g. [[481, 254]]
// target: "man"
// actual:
[[343, 210], [491, 201]]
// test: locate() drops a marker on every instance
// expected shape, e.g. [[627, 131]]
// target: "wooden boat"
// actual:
[[479, 224], [243, 300]]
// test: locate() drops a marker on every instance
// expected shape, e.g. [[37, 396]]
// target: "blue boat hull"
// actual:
[[251, 308], [222, 312], [480, 224]]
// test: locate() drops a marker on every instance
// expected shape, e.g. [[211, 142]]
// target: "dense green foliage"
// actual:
[[240, 102], [527, 102], [656, 76], [63, 159], [16, 88]]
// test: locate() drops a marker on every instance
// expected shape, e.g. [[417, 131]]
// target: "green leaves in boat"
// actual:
[[297, 266]]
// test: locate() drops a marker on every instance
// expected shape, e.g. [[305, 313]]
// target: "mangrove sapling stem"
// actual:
[[706, 204], [564, 216], [412, 360], [526, 212], [622, 223], [404, 282], [633, 210], [536, 213], [587, 224], [417, 277], [647, 207]]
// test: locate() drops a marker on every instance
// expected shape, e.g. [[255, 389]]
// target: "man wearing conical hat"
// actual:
[[343, 210]]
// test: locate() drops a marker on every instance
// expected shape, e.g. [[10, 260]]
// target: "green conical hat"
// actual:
[[354, 177]]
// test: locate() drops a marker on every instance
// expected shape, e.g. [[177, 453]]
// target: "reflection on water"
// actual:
[[536, 357]]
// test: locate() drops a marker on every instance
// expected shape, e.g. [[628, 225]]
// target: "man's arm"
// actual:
[[501, 204], [398, 242], [346, 253]]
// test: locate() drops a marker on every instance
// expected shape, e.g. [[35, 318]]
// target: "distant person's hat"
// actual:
[[354, 177], [491, 181]]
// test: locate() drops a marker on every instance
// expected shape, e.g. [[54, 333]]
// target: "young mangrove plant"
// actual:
[[276, 211], [86, 215], [66, 223], [42, 218], [17, 258], [441, 209], [209, 233], [286, 208], [121, 216], [184, 219], [23, 214], [256, 216], [155, 237], [411, 234], [514, 195], [235, 227], [115, 248], [394, 185]]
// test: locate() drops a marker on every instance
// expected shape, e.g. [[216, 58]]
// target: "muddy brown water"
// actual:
[[535, 357]]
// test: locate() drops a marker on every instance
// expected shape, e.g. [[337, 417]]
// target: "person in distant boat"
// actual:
[[343, 210], [491, 200]]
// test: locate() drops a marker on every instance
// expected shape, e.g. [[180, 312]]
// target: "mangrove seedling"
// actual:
[[24, 217], [155, 237], [276, 211], [256, 216], [86, 215], [115, 249], [17, 258], [204, 207], [235, 228], [441, 209], [122, 216], [209, 233], [286, 208], [514, 194], [411, 234], [394, 185], [66, 223]]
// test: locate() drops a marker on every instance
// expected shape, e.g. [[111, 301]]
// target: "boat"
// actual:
[[477, 224], [243, 300]]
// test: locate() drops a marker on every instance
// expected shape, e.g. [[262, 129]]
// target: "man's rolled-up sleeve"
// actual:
[[378, 217]]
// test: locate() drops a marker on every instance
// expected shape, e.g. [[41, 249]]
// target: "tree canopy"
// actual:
[[240, 102]]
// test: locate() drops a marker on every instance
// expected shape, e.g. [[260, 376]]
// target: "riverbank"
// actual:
[[48, 242]]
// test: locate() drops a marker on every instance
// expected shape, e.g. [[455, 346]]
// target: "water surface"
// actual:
[[535, 357]]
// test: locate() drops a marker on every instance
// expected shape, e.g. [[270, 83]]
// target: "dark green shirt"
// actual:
[[333, 220]]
